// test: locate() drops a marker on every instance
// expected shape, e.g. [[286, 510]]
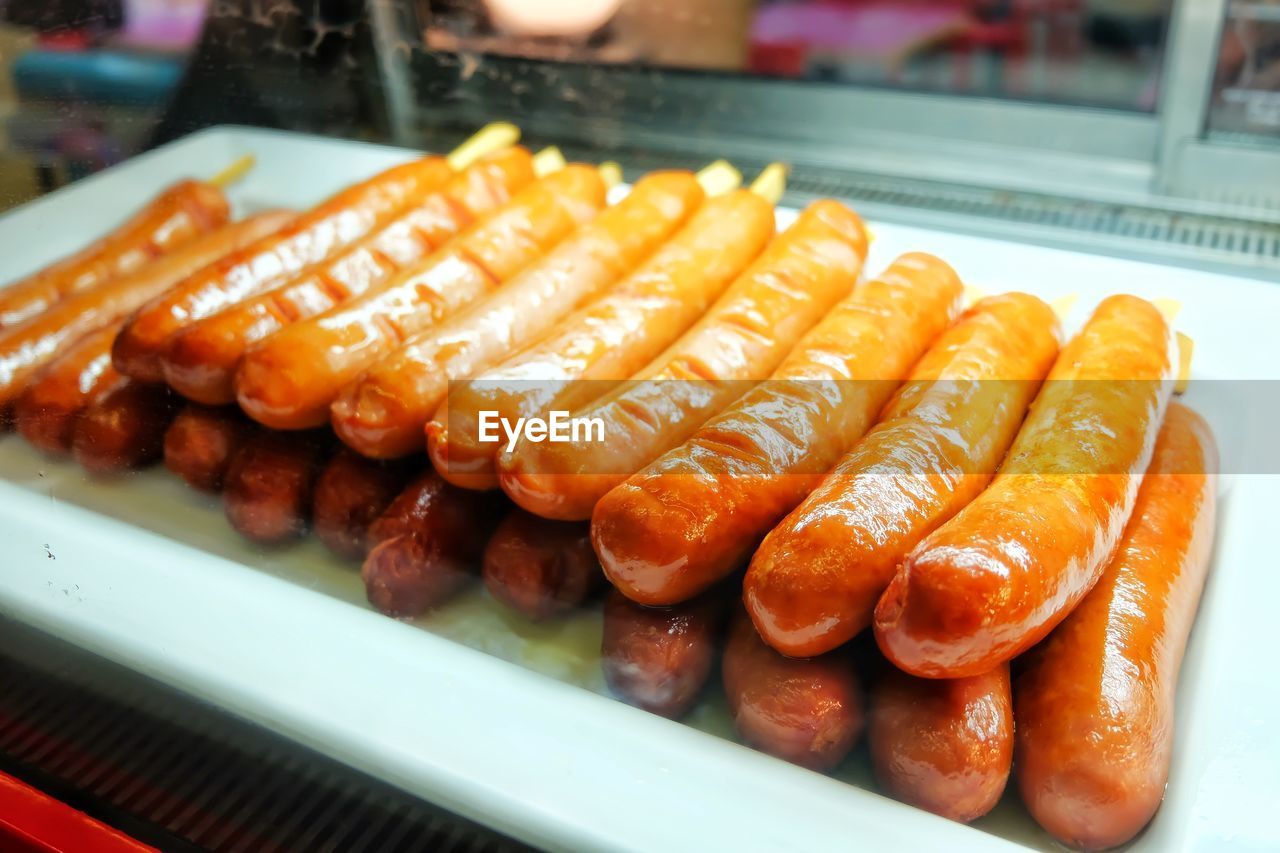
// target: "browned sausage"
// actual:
[[660, 658], [427, 545], [539, 567], [177, 215], [47, 412], [1095, 704], [267, 488], [806, 711], [124, 429], [350, 494], [942, 744], [201, 441]]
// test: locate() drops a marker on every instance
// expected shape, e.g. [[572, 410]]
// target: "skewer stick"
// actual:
[[611, 173], [719, 178], [1185, 348], [547, 160], [1063, 304], [1168, 308], [972, 294], [771, 183], [234, 172], [488, 139]]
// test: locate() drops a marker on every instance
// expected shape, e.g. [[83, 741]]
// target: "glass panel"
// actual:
[[1103, 52], [1246, 84]]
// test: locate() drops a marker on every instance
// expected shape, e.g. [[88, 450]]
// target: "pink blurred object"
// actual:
[[874, 29], [162, 26]]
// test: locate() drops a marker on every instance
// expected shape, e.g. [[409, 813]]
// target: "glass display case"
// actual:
[[832, 278]]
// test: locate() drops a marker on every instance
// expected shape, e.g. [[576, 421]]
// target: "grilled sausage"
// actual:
[[48, 411], [350, 494], [607, 340], [945, 745], [743, 337], [176, 216], [541, 568], [997, 577], [124, 428], [384, 412], [289, 380], [201, 360], [201, 442], [1095, 703], [268, 485], [310, 238], [660, 658], [695, 514], [815, 579]]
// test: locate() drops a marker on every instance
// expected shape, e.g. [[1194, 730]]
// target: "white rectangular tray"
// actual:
[[485, 713]]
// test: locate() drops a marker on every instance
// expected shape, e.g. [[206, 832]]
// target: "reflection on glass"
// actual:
[[1104, 52], [1246, 86]]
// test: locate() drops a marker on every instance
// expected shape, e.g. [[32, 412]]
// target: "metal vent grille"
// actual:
[[1151, 233], [181, 776]]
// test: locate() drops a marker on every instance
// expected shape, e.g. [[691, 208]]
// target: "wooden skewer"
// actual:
[[611, 172], [719, 178], [1063, 304], [234, 172], [1168, 308], [1185, 348], [486, 140], [972, 294], [547, 160], [771, 183]]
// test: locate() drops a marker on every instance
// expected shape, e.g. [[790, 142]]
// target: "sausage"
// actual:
[[47, 412], [1095, 702], [201, 360], [350, 494], [171, 219], [606, 341], [743, 337], [27, 348], [997, 577], [942, 744], [427, 545], [660, 658], [268, 485], [289, 380], [696, 513], [541, 568], [383, 413], [312, 237], [808, 712], [124, 428], [199, 444], [815, 580]]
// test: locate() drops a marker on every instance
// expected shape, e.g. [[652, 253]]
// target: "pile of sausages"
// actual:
[[838, 480]]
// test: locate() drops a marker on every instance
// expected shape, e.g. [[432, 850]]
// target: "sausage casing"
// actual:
[[742, 337], [815, 580], [201, 441], [997, 577], [267, 489], [47, 412], [124, 428], [350, 494], [1095, 703], [695, 514], [540, 568]]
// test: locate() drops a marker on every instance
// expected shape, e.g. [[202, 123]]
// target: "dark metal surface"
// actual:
[[182, 776]]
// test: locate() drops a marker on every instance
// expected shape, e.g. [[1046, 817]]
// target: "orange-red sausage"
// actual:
[[201, 442], [660, 658], [606, 341], [383, 413], [945, 745], [289, 380], [743, 337], [541, 568], [47, 412], [268, 485], [1095, 704], [350, 494], [124, 428], [808, 712], [997, 577], [179, 214], [27, 348], [816, 578], [695, 514], [310, 238], [201, 360], [427, 545]]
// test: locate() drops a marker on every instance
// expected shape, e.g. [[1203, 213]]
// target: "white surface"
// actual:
[[145, 572]]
